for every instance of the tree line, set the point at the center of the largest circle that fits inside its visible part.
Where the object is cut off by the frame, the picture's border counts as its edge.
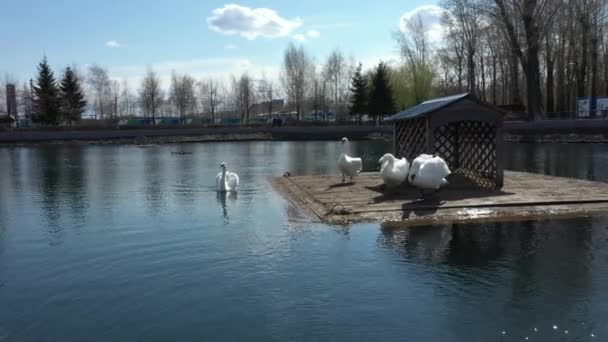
(308, 88)
(541, 55)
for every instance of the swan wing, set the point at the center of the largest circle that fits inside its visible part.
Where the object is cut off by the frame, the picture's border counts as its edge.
(233, 180)
(350, 166)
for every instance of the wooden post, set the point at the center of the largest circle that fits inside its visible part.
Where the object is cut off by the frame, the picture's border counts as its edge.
(430, 137)
(395, 142)
(499, 156)
(457, 146)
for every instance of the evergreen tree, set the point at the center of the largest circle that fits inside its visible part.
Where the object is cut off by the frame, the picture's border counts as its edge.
(46, 99)
(358, 88)
(72, 99)
(381, 100)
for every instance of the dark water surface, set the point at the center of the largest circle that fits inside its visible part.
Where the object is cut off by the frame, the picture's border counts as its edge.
(127, 243)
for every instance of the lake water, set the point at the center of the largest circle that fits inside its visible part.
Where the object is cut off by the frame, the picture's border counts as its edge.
(127, 243)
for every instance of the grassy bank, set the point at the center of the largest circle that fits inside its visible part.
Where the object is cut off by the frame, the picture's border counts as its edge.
(187, 134)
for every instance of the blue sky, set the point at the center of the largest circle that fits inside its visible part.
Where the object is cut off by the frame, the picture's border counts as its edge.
(203, 38)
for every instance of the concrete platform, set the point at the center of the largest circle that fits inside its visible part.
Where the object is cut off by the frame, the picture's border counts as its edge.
(524, 196)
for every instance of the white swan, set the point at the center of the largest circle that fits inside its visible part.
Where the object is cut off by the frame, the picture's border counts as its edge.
(393, 171)
(226, 180)
(347, 165)
(428, 172)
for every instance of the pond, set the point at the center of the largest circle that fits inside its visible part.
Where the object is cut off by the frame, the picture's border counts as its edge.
(125, 243)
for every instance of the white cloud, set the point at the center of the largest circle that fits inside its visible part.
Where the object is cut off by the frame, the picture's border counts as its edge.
(431, 19)
(230, 47)
(313, 34)
(299, 37)
(113, 44)
(304, 37)
(251, 23)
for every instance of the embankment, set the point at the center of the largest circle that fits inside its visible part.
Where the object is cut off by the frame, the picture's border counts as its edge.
(562, 131)
(174, 135)
(557, 131)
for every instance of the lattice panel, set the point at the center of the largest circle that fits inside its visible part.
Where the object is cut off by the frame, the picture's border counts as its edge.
(446, 144)
(477, 153)
(410, 137)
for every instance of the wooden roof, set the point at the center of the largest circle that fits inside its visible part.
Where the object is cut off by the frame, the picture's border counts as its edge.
(467, 104)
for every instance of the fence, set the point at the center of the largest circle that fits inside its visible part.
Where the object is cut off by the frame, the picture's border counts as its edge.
(571, 115)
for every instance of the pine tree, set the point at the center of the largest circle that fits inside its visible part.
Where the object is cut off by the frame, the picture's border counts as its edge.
(46, 99)
(381, 100)
(358, 88)
(72, 99)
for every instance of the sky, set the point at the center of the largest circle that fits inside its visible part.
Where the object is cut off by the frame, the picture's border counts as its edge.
(203, 38)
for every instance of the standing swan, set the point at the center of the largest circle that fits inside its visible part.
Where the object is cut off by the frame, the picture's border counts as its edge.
(226, 180)
(393, 171)
(347, 165)
(428, 172)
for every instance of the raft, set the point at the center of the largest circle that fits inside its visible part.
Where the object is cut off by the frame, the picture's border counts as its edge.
(524, 196)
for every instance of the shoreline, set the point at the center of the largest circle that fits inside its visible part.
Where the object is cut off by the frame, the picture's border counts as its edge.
(549, 131)
(189, 135)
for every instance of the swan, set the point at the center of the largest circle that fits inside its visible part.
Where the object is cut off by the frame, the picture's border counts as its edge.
(428, 172)
(226, 180)
(393, 171)
(347, 165)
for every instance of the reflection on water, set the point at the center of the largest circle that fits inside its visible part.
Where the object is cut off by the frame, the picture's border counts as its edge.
(221, 200)
(134, 243)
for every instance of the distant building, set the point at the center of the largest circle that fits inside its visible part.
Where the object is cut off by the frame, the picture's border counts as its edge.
(263, 107)
(11, 100)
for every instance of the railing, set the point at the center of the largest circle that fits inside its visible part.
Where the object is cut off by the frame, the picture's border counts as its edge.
(592, 115)
(93, 125)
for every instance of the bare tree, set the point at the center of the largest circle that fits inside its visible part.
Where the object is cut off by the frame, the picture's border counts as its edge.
(533, 17)
(247, 95)
(182, 95)
(295, 76)
(320, 94)
(242, 96)
(415, 50)
(338, 71)
(115, 88)
(127, 101)
(210, 96)
(465, 16)
(150, 95)
(266, 91)
(100, 85)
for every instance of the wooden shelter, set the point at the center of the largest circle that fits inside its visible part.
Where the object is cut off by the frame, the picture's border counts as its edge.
(463, 131)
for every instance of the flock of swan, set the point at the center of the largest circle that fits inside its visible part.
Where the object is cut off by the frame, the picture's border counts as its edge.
(426, 172)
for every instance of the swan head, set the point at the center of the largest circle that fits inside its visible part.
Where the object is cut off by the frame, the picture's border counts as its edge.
(344, 141)
(223, 166)
(386, 158)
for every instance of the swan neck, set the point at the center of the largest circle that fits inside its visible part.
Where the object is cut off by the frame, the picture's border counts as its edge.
(345, 148)
(223, 179)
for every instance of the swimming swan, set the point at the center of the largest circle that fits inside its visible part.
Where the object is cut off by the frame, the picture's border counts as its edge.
(347, 165)
(393, 171)
(428, 172)
(226, 180)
